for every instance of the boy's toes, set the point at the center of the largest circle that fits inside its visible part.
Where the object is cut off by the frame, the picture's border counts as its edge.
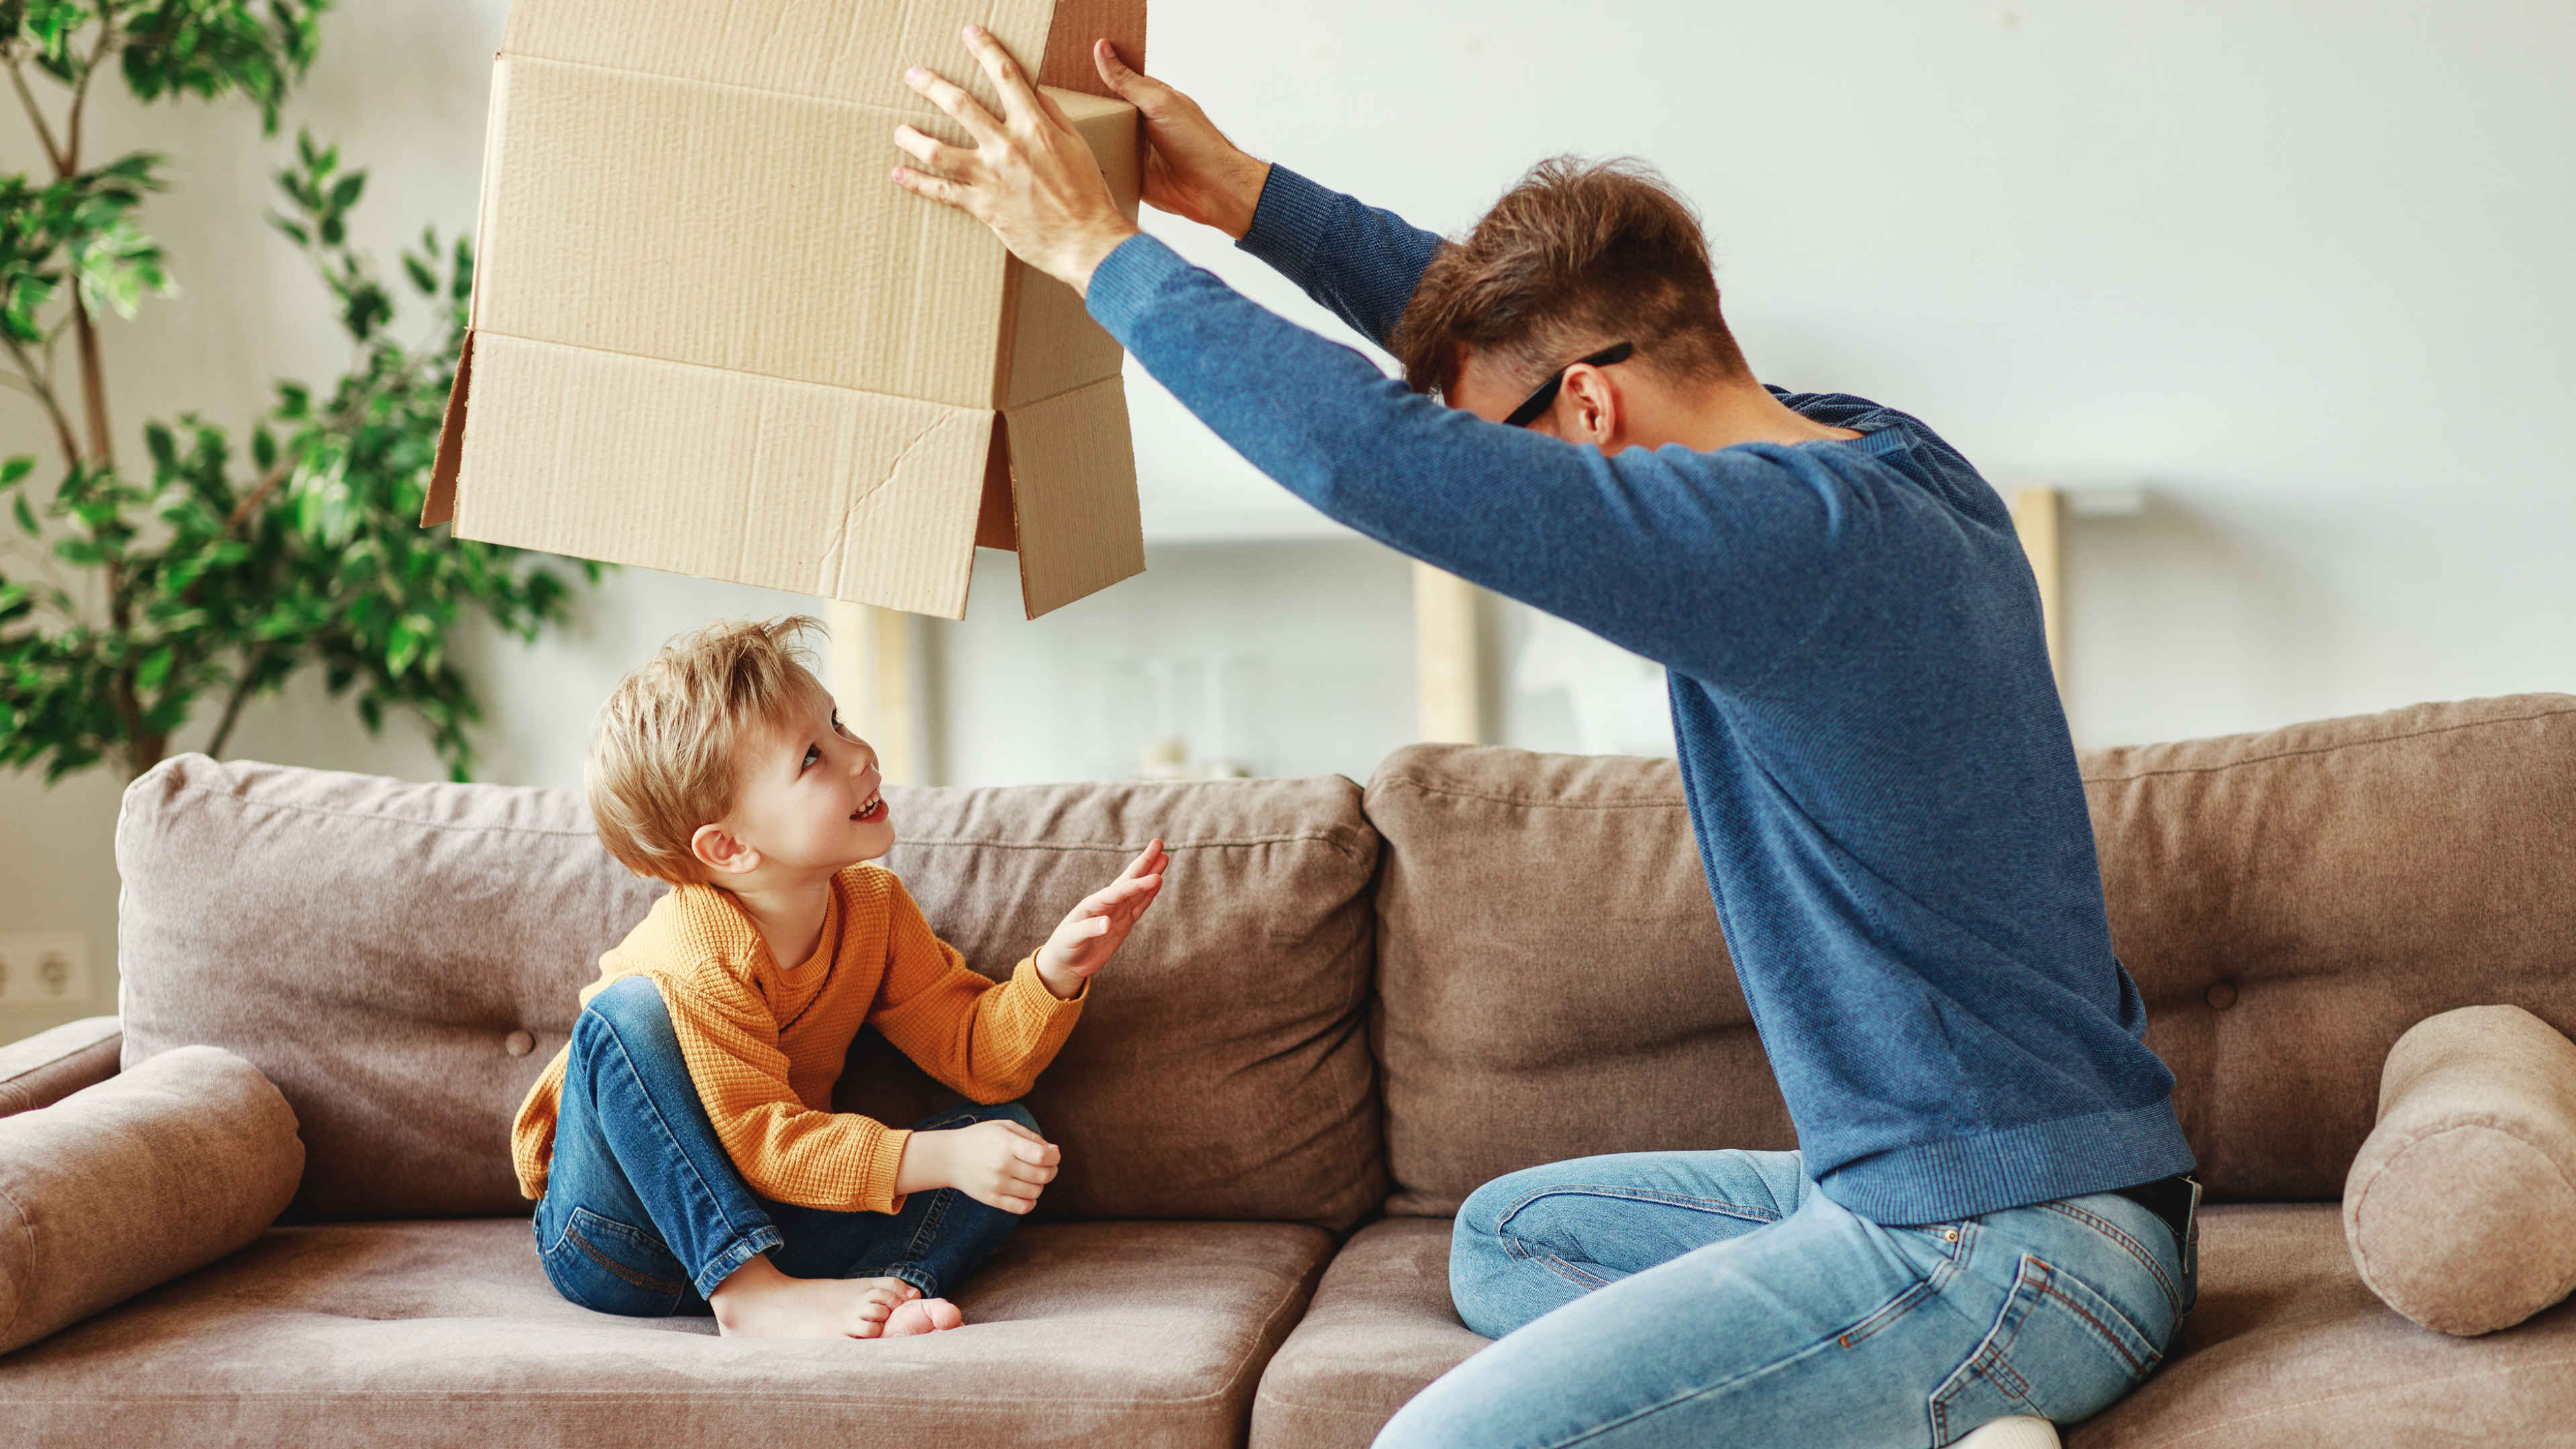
(943, 1314)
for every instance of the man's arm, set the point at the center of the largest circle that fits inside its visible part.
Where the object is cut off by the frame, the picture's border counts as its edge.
(1712, 564)
(1360, 261)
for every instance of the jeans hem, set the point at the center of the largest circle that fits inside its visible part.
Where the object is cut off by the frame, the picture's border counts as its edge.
(743, 1249)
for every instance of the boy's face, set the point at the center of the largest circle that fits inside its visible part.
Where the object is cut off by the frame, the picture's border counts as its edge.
(810, 796)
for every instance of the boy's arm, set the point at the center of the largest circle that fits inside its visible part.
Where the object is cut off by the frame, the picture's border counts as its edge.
(784, 1149)
(986, 1039)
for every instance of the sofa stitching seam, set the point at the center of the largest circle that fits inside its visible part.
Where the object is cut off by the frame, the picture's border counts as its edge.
(1553, 802)
(2113, 779)
(297, 807)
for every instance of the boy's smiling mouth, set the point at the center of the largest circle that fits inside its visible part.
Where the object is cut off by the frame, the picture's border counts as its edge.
(873, 809)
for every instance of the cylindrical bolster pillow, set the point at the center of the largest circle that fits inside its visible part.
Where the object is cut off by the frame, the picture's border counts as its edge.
(130, 1183)
(2461, 1208)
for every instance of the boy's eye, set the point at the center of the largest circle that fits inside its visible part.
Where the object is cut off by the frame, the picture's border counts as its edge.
(839, 728)
(812, 753)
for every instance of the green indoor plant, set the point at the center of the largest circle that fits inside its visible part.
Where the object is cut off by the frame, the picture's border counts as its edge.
(129, 600)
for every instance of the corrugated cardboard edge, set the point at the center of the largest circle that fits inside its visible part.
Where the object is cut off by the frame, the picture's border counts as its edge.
(1073, 473)
(644, 461)
(1077, 23)
(440, 505)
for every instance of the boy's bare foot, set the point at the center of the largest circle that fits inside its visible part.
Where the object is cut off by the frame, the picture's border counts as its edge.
(922, 1315)
(758, 1301)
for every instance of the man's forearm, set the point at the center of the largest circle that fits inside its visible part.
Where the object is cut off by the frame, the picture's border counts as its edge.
(1360, 261)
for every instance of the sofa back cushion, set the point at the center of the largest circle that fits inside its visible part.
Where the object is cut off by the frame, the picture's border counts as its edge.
(1551, 979)
(1221, 1068)
(2291, 902)
(402, 961)
(1553, 984)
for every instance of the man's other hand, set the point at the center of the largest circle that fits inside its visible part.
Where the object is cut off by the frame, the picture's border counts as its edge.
(1191, 169)
(1029, 176)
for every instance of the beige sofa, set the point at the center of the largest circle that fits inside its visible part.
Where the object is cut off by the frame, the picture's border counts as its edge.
(1349, 1010)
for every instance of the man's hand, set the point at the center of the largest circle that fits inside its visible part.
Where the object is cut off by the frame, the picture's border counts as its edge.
(1093, 931)
(998, 1163)
(1029, 176)
(1191, 169)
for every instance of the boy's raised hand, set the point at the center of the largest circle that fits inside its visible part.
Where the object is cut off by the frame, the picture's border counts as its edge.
(1093, 931)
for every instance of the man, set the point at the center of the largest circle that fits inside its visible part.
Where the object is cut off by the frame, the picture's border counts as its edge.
(1987, 1220)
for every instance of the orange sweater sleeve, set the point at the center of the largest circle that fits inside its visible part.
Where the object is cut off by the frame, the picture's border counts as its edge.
(986, 1039)
(786, 1150)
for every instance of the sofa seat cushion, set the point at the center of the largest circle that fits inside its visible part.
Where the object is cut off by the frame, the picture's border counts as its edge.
(2289, 1350)
(1380, 1328)
(436, 1333)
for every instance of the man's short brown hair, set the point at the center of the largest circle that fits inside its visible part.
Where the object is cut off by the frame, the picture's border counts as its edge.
(667, 754)
(1577, 256)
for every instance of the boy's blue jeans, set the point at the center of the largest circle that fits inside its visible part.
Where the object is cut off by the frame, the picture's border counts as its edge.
(1703, 1298)
(645, 1214)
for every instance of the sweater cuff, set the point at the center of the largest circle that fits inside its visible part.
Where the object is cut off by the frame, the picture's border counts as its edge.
(1029, 994)
(878, 1177)
(1127, 282)
(1288, 222)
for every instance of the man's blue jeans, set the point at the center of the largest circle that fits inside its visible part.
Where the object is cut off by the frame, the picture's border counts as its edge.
(1708, 1298)
(645, 1214)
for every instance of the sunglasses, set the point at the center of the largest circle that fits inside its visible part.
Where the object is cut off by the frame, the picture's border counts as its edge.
(1537, 402)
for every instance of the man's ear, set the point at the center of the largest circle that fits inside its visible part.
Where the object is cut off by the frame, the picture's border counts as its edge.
(1588, 407)
(721, 851)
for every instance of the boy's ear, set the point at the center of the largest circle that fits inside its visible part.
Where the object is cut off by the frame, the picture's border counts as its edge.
(719, 850)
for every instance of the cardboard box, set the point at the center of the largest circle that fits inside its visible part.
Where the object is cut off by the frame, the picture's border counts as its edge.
(711, 336)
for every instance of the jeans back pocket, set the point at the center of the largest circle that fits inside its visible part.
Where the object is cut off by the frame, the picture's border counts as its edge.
(2059, 1349)
(605, 1265)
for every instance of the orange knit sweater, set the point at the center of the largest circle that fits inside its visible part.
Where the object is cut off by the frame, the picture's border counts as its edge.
(765, 1045)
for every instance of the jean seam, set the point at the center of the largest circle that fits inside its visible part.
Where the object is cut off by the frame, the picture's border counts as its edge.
(1517, 1248)
(2135, 1249)
(1984, 1359)
(1670, 1199)
(591, 1250)
(928, 1232)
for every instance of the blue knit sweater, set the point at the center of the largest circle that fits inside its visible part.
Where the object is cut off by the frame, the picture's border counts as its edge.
(1880, 775)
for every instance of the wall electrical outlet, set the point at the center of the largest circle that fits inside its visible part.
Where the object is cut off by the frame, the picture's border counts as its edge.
(44, 969)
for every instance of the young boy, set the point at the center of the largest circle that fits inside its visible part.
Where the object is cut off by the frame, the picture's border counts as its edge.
(681, 1148)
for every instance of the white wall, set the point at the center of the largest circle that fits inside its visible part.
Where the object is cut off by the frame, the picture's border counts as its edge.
(2298, 268)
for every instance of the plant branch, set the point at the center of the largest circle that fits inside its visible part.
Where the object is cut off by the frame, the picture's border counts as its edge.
(240, 696)
(102, 443)
(258, 494)
(44, 393)
(35, 113)
(80, 91)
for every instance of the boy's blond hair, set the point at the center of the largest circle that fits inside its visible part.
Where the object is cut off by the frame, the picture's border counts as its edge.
(668, 751)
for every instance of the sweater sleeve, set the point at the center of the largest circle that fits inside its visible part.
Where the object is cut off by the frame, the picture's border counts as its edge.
(786, 1150)
(1361, 262)
(986, 1039)
(532, 1135)
(1714, 564)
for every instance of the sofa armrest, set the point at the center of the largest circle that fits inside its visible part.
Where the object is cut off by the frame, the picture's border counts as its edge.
(129, 1183)
(51, 1065)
